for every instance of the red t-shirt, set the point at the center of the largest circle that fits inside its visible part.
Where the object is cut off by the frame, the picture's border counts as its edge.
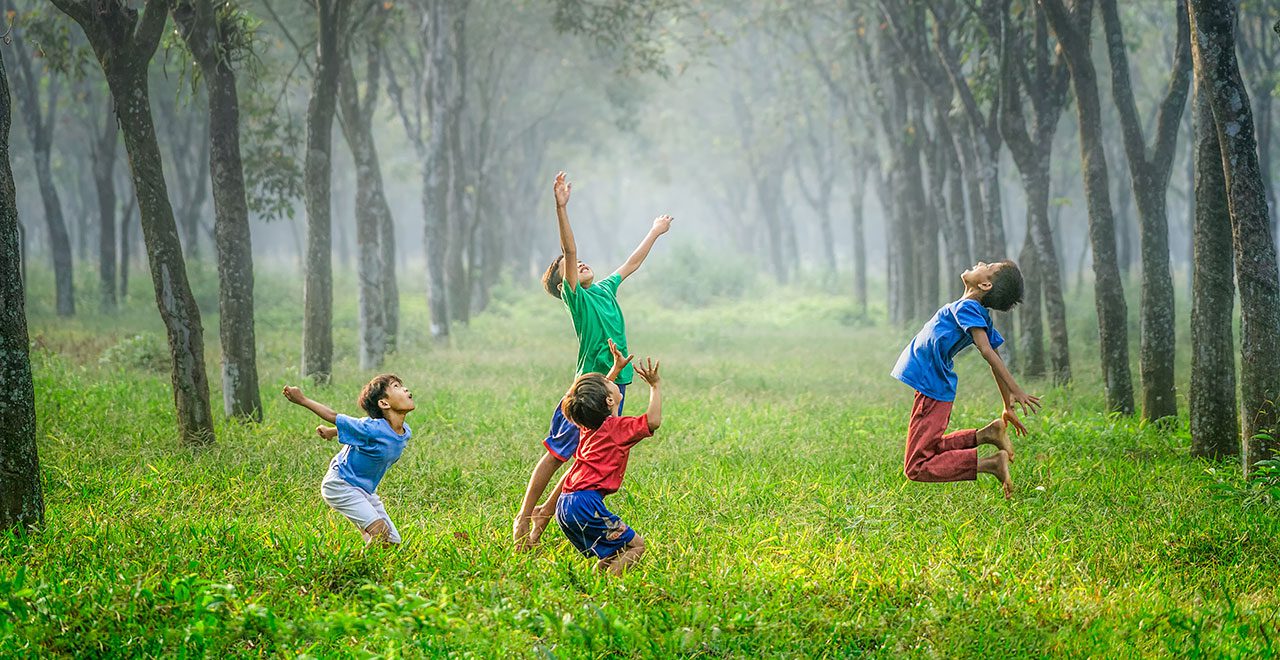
(602, 454)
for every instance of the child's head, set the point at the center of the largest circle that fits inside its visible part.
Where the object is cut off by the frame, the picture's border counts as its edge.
(555, 275)
(384, 394)
(1000, 283)
(591, 400)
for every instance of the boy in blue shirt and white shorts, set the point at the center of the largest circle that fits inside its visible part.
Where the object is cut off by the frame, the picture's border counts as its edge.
(370, 445)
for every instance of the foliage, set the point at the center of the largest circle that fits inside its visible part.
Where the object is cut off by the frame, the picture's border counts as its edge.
(144, 352)
(1261, 488)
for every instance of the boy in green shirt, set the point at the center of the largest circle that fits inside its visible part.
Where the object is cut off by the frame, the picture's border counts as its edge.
(597, 320)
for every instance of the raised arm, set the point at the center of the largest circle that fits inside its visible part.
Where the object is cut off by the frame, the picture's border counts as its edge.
(568, 248)
(661, 225)
(648, 370)
(295, 395)
(620, 361)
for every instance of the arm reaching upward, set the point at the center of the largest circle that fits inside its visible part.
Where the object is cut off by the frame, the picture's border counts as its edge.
(568, 248)
(620, 361)
(661, 225)
(295, 395)
(648, 370)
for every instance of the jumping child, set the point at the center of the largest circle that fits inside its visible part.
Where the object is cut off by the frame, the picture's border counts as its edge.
(926, 365)
(370, 446)
(597, 319)
(599, 465)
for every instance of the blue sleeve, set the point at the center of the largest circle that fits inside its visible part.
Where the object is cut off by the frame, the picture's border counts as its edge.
(971, 314)
(352, 431)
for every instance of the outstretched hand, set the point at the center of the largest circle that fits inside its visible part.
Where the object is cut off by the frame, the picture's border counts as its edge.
(648, 370)
(562, 188)
(662, 224)
(620, 361)
(1030, 404)
(1011, 418)
(293, 394)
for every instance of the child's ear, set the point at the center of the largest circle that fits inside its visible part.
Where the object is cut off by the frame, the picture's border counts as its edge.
(384, 404)
(985, 286)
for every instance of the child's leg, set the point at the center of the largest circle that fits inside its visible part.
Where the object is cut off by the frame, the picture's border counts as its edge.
(996, 434)
(997, 465)
(542, 474)
(392, 535)
(932, 456)
(624, 558)
(353, 503)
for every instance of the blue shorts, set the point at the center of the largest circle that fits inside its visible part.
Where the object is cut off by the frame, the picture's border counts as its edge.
(562, 438)
(590, 527)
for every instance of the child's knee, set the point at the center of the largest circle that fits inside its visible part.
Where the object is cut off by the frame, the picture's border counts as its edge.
(913, 472)
(380, 530)
(637, 545)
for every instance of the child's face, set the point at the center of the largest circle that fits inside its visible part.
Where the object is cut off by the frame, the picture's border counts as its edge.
(585, 275)
(979, 276)
(398, 398)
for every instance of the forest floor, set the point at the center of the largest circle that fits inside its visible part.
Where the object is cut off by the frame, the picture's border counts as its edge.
(778, 520)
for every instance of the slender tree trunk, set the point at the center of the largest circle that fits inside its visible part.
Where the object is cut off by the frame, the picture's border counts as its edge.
(104, 160)
(59, 238)
(390, 287)
(317, 293)
(859, 250)
(1213, 47)
(212, 48)
(21, 499)
(435, 189)
(1108, 288)
(1050, 272)
(1030, 317)
(126, 240)
(1215, 423)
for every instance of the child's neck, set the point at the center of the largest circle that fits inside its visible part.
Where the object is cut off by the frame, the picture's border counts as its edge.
(395, 419)
(972, 293)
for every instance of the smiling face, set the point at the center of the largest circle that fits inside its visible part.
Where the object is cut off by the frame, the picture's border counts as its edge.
(585, 275)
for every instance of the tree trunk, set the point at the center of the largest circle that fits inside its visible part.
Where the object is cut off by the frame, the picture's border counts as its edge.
(859, 239)
(1149, 173)
(1108, 288)
(1030, 317)
(1213, 47)
(436, 33)
(21, 500)
(1215, 422)
(317, 293)
(212, 48)
(126, 240)
(104, 161)
(124, 55)
(370, 211)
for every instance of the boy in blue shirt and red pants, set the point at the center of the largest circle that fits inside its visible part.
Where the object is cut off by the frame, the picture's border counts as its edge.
(926, 365)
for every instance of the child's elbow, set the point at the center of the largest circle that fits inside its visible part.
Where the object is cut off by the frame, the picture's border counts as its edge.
(654, 424)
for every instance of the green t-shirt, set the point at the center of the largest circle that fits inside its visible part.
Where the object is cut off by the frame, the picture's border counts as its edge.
(597, 319)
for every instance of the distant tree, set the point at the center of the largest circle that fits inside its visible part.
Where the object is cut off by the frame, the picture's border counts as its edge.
(124, 41)
(1259, 50)
(1150, 167)
(38, 90)
(1214, 52)
(217, 36)
(21, 500)
(1072, 28)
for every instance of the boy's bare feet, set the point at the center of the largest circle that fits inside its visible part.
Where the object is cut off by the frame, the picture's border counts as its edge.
(997, 434)
(327, 432)
(997, 465)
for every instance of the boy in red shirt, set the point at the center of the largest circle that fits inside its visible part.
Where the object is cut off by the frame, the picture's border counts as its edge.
(599, 464)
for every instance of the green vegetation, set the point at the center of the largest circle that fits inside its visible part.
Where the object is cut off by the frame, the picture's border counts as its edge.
(777, 516)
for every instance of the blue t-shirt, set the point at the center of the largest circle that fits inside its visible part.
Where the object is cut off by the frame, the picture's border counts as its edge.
(926, 363)
(370, 448)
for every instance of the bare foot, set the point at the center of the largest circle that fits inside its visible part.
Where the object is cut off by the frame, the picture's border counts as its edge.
(1001, 472)
(327, 432)
(520, 532)
(997, 434)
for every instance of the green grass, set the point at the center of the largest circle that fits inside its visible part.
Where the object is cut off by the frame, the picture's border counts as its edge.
(778, 520)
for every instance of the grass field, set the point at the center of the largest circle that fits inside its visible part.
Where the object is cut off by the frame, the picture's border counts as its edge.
(772, 499)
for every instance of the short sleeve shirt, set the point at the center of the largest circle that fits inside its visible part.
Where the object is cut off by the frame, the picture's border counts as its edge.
(927, 363)
(597, 318)
(370, 446)
(601, 459)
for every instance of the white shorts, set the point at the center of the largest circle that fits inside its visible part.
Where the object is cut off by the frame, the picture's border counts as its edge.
(358, 506)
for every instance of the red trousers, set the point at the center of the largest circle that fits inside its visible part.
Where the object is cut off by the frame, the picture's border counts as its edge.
(932, 456)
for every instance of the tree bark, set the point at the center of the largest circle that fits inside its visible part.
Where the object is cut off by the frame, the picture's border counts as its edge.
(1071, 29)
(437, 46)
(317, 293)
(212, 46)
(124, 53)
(1213, 49)
(859, 248)
(1150, 169)
(1215, 421)
(21, 499)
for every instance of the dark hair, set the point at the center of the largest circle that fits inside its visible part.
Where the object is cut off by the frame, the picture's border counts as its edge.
(1006, 287)
(376, 391)
(587, 403)
(553, 277)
